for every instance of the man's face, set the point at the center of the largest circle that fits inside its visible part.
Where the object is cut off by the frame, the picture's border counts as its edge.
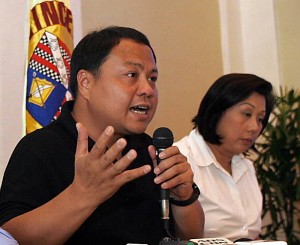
(124, 94)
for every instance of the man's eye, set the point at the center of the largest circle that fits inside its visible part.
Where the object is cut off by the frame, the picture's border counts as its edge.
(152, 79)
(133, 74)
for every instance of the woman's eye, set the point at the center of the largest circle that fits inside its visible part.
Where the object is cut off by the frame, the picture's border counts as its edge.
(261, 119)
(247, 114)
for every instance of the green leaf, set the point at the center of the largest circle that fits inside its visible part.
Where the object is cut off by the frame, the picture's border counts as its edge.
(278, 168)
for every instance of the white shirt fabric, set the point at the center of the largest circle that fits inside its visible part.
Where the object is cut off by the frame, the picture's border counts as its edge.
(232, 204)
(6, 238)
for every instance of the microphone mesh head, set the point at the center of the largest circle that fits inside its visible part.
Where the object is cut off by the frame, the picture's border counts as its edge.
(163, 138)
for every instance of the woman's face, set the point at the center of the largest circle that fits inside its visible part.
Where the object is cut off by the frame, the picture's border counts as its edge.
(241, 124)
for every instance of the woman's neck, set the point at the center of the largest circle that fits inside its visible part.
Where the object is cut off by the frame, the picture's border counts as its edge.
(221, 156)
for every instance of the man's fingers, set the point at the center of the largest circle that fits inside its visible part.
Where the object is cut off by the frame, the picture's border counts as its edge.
(133, 174)
(152, 153)
(101, 145)
(82, 140)
(106, 157)
(121, 165)
(114, 152)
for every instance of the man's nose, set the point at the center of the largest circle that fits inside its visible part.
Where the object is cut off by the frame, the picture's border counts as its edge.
(146, 88)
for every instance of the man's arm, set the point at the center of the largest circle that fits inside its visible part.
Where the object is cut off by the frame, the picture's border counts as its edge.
(189, 220)
(96, 180)
(175, 173)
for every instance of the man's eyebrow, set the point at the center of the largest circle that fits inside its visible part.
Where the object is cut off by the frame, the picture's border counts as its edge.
(135, 64)
(139, 66)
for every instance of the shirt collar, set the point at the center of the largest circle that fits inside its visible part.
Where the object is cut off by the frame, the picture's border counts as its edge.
(200, 149)
(205, 156)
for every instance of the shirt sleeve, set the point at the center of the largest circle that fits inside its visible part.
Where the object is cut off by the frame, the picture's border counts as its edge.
(26, 182)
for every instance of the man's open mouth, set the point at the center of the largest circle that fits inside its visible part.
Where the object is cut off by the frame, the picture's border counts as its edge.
(142, 110)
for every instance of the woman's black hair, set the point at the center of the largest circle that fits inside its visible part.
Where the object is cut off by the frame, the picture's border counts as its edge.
(224, 93)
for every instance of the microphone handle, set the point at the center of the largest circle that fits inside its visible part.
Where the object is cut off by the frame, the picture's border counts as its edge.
(165, 205)
(164, 195)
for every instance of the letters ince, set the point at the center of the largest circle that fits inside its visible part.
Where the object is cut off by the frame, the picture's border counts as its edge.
(48, 14)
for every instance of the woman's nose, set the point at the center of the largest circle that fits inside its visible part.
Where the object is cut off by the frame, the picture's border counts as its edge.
(255, 125)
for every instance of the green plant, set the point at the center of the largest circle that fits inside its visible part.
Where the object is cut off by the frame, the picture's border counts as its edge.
(278, 169)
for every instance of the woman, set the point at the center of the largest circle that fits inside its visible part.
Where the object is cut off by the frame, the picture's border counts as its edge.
(231, 116)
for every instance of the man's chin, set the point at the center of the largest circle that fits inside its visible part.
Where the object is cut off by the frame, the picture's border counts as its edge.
(137, 130)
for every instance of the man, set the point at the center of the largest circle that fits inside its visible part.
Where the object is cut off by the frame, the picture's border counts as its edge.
(100, 185)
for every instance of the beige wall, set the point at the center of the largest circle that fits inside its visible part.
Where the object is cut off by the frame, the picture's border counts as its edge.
(249, 38)
(288, 33)
(186, 38)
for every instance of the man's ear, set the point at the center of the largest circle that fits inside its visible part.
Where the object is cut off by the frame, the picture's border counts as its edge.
(83, 83)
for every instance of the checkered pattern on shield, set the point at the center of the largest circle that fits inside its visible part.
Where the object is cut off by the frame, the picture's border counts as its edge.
(49, 56)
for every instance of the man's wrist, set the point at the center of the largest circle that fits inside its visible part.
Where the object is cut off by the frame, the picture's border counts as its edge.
(192, 199)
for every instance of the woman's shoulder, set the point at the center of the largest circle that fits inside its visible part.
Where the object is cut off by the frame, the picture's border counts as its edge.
(192, 138)
(183, 145)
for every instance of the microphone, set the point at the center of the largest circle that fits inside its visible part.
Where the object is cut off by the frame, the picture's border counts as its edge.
(162, 139)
